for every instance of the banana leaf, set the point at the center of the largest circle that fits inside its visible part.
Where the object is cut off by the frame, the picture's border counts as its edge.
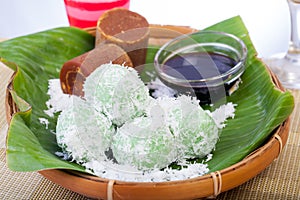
(38, 57)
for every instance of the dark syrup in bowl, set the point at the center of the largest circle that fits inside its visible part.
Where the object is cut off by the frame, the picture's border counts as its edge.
(193, 68)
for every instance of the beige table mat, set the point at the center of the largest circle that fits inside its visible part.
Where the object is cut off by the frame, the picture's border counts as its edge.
(281, 180)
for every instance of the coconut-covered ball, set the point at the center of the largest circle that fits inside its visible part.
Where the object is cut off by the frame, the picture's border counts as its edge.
(145, 143)
(195, 131)
(83, 132)
(117, 91)
(198, 132)
(169, 110)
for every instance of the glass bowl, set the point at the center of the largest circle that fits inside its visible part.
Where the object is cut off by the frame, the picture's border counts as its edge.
(205, 64)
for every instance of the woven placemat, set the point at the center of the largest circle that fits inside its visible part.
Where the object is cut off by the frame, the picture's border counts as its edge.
(281, 180)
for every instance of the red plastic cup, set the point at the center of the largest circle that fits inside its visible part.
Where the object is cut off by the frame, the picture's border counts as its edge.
(85, 13)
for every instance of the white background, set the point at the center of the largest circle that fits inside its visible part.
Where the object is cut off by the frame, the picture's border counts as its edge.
(267, 20)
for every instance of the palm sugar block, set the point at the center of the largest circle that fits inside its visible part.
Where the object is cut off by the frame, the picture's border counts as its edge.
(75, 71)
(127, 29)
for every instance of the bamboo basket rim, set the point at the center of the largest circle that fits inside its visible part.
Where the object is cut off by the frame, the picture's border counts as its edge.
(213, 183)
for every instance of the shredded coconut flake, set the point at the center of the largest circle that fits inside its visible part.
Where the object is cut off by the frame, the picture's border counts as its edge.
(58, 100)
(209, 157)
(44, 121)
(160, 89)
(127, 173)
(221, 114)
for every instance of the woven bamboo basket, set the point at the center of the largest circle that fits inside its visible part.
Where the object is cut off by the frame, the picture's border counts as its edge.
(209, 185)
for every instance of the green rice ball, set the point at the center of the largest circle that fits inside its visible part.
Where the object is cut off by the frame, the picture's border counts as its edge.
(117, 91)
(169, 110)
(144, 143)
(82, 132)
(198, 132)
(195, 131)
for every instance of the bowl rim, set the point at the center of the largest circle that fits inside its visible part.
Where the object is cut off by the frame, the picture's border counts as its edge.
(211, 81)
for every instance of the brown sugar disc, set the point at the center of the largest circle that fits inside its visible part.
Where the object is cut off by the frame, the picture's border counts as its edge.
(126, 29)
(74, 72)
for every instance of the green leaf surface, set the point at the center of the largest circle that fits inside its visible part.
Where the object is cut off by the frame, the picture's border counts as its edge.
(38, 58)
(261, 107)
